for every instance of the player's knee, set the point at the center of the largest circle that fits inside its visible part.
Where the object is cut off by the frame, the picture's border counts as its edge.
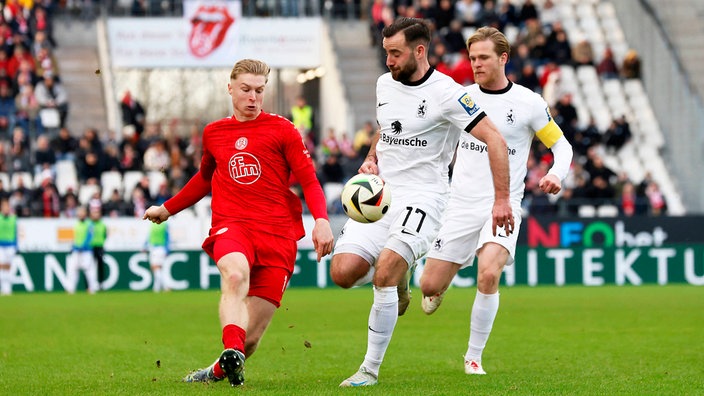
(429, 287)
(342, 278)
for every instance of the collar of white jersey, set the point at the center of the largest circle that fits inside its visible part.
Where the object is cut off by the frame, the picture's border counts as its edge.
(421, 81)
(498, 91)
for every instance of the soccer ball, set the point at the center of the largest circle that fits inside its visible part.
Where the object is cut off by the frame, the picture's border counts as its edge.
(365, 198)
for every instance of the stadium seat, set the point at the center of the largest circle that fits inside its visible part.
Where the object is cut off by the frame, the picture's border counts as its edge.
(86, 192)
(5, 178)
(607, 211)
(129, 180)
(26, 177)
(66, 176)
(605, 9)
(586, 211)
(332, 191)
(156, 178)
(110, 180)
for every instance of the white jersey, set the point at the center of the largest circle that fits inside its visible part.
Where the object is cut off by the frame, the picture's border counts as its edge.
(420, 126)
(519, 114)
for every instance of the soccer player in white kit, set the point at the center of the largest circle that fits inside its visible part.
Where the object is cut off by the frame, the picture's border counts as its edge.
(466, 231)
(421, 113)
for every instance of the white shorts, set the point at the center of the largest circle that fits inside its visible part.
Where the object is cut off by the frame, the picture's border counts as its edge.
(84, 259)
(7, 253)
(157, 255)
(467, 227)
(408, 228)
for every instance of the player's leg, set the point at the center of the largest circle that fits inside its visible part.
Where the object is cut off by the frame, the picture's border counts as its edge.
(491, 259)
(156, 274)
(390, 269)
(72, 272)
(437, 277)
(355, 252)
(234, 317)
(5, 287)
(91, 271)
(260, 313)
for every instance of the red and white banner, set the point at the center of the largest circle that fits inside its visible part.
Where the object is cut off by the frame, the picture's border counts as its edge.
(214, 36)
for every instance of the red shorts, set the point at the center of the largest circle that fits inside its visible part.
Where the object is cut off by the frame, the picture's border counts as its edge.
(271, 258)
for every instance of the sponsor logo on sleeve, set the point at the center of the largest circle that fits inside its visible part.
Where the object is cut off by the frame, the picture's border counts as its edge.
(469, 105)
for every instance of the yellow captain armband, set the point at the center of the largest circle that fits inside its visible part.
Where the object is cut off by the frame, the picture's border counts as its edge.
(549, 134)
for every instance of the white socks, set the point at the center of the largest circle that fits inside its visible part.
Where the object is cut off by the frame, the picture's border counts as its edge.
(382, 320)
(483, 315)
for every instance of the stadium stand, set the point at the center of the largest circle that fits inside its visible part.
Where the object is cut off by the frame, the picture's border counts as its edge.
(629, 140)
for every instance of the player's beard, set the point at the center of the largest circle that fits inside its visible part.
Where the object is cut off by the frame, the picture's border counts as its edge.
(404, 73)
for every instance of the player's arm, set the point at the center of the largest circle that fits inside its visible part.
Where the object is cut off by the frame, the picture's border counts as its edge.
(486, 131)
(369, 166)
(552, 137)
(302, 167)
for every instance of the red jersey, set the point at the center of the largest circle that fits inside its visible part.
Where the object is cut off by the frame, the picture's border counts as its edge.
(248, 165)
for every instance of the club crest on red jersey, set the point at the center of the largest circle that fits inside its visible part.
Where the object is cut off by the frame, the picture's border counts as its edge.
(241, 143)
(244, 168)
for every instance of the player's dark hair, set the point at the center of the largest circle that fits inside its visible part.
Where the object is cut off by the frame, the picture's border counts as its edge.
(415, 30)
(250, 66)
(500, 41)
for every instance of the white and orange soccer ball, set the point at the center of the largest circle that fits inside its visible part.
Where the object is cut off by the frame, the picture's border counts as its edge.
(365, 198)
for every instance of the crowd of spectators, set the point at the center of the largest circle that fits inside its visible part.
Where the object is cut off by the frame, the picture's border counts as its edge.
(540, 47)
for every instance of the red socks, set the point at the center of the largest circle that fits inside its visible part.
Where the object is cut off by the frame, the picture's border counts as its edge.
(233, 337)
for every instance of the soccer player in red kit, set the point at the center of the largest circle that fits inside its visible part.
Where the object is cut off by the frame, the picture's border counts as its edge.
(256, 219)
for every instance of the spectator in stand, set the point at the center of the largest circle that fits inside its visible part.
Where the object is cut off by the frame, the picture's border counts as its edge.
(607, 68)
(8, 109)
(363, 140)
(631, 203)
(44, 155)
(19, 54)
(27, 106)
(444, 15)
(453, 40)
(70, 205)
(45, 61)
(330, 145)
(143, 186)
(331, 171)
(47, 202)
(585, 138)
(20, 160)
(558, 48)
(51, 94)
(583, 54)
(488, 15)
(631, 65)
(138, 203)
(115, 206)
(20, 198)
(467, 11)
(64, 145)
(519, 58)
(130, 161)
(618, 134)
(91, 137)
(462, 69)
(528, 12)
(41, 41)
(566, 116)
(529, 79)
(658, 205)
(4, 193)
(41, 21)
(508, 16)
(25, 75)
(156, 158)
(163, 194)
(133, 113)
(111, 158)
(549, 14)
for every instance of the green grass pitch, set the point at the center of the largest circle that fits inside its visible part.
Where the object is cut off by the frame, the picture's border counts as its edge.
(646, 340)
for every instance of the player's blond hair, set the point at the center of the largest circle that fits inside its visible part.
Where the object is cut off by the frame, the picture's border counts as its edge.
(250, 66)
(500, 41)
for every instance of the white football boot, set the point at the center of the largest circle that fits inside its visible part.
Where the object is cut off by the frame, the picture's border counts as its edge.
(361, 378)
